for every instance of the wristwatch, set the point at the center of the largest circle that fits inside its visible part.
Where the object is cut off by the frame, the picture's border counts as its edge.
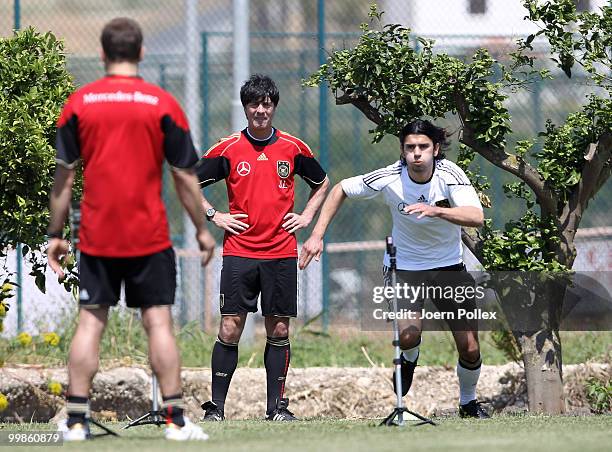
(210, 213)
(55, 235)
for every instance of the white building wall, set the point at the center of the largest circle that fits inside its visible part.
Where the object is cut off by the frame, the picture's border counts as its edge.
(452, 17)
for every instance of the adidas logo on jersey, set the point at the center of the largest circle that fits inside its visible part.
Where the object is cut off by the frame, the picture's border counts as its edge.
(422, 199)
(84, 295)
(262, 157)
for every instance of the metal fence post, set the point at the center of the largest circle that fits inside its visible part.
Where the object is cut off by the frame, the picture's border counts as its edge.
(303, 112)
(204, 92)
(206, 314)
(17, 26)
(536, 107)
(323, 146)
(357, 158)
(19, 289)
(17, 14)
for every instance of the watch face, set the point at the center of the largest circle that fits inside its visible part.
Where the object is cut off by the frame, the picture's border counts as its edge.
(210, 212)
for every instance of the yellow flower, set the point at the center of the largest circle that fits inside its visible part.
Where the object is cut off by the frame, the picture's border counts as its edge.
(2, 309)
(51, 339)
(24, 339)
(55, 387)
(7, 287)
(3, 402)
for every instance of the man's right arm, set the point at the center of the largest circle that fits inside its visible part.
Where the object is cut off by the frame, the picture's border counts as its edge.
(59, 204)
(182, 157)
(67, 157)
(313, 247)
(188, 192)
(212, 168)
(366, 186)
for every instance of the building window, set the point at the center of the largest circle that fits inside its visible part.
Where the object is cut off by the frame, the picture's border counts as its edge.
(583, 5)
(477, 6)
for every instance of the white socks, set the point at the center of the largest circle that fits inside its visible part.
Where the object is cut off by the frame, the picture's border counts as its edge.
(468, 374)
(412, 354)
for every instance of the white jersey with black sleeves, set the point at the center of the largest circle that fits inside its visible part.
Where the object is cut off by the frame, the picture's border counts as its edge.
(425, 243)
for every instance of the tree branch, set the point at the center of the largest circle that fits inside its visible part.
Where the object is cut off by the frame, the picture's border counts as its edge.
(508, 162)
(362, 103)
(471, 238)
(594, 175)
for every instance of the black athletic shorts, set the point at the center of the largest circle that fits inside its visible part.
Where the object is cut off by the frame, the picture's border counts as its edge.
(149, 280)
(451, 289)
(243, 279)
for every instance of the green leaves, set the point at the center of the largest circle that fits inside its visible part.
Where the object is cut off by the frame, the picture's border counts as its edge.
(562, 156)
(523, 245)
(574, 38)
(395, 77)
(599, 394)
(34, 84)
(403, 78)
(399, 74)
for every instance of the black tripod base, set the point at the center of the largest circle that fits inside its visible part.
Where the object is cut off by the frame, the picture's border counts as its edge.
(150, 418)
(107, 431)
(396, 418)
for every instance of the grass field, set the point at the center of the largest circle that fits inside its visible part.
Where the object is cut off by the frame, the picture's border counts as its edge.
(501, 433)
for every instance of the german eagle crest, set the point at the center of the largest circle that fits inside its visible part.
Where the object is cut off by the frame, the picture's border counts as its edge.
(282, 168)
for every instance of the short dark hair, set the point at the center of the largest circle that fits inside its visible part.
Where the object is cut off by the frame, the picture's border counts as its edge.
(257, 88)
(423, 127)
(121, 40)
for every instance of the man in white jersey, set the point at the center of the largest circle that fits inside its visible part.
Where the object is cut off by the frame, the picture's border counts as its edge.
(430, 199)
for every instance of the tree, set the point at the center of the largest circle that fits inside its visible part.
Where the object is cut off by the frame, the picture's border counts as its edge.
(392, 82)
(34, 84)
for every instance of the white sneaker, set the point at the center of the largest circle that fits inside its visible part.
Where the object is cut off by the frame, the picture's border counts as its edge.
(190, 432)
(78, 432)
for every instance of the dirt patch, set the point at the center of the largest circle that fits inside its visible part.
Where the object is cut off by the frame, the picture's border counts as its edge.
(125, 392)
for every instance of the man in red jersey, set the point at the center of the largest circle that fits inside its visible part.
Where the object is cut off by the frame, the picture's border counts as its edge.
(259, 249)
(122, 128)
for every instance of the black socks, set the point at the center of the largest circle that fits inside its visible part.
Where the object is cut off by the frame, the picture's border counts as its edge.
(77, 409)
(224, 361)
(174, 408)
(276, 360)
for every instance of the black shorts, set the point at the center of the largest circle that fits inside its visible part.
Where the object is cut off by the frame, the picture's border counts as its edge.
(450, 289)
(243, 279)
(149, 280)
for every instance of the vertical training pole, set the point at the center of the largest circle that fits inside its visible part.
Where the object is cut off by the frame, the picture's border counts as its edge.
(323, 148)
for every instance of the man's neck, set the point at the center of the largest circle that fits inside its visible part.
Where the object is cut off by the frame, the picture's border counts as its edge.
(261, 134)
(124, 68)
(422, 176)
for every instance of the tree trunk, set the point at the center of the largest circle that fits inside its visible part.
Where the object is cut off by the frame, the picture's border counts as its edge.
(543, 371)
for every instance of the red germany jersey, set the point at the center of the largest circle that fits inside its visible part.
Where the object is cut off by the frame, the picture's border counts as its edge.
(122, 128)
(260, 183)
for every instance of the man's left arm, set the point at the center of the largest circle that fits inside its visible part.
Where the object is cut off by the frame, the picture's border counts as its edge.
(307, 167)
(464, 208)
(294, 221)
(469, 216)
